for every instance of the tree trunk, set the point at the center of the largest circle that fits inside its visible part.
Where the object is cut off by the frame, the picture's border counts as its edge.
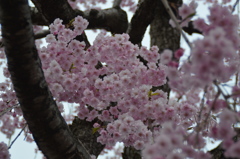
(44, 120)
(161, 32)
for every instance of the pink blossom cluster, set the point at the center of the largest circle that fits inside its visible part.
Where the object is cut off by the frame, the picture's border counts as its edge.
(127, 130)
(107, 81)
(119, 92)
(187, 12)
(224, 131)
(212, 58)
(122, 84)
(170, 142)
(4, 154)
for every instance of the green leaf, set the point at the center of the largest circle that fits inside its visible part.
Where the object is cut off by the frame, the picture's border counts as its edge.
(94, 130)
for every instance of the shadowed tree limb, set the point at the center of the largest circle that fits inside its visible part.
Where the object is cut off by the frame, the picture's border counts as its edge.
(112, 19)
(141, 19)
(116, 3)
(37, 17)
(52, 9)
(44, 120)
(41, 34)
(190, 29)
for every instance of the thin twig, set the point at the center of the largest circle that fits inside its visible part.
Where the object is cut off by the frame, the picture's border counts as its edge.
(214, 102)
(17, 136)
(234, 6)
(202, 104)
(8, 109)
(173, 17)
(235, 99)
(200, 114)
(223, 94)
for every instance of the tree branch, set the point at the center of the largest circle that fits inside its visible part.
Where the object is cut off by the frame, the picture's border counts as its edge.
(37, 17)
(52, 9)
(48, 127)
(190, 29)
(117, 3)
(173, 17)
(41, 34)
(112, 19)
(141, 19)
(162, 33)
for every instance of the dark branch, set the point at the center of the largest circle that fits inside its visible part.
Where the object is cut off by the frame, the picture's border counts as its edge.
(112, 19)
(38, 18)
(41, 34)
(141, 19)
(116, 3)
(190, 29)
(52, 9)
(162, 33)
(48, 127)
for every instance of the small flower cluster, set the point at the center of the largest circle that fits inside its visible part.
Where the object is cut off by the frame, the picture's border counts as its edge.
(170, 143)
(186, 12)
(127, 130)
(4, 154)
(224, 131)
(107, 79)
(212, 58)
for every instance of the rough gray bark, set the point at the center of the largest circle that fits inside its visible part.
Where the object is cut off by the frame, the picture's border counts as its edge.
(44, 120)
(161, 32)
(163, 35)
(83, 131)
(39, 35)
(131, 153)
